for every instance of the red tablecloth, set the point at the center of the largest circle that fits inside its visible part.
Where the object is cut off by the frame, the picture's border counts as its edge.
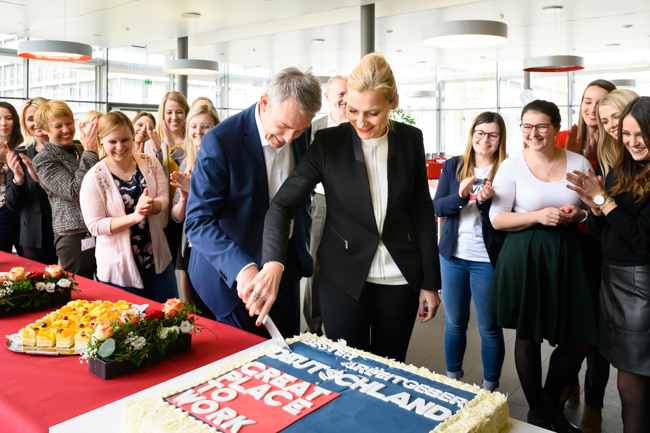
(41, 391)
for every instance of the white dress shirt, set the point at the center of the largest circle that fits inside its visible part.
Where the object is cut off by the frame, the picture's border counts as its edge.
(383, 269)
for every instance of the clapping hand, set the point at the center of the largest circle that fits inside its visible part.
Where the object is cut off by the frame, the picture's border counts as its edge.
(591, 147)
(587, 185)
(4, 149)
(466, 186)
(486, 193)
(573, 140)
(13, 161)
(144, 206)
(182, 182)
(89, 138)
(153, 136)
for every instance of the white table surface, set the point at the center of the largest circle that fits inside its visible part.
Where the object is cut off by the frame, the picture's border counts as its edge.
(106, 419)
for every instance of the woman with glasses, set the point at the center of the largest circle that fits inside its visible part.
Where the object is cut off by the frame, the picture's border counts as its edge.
(540, 286)
(200, 120)
(469, 246)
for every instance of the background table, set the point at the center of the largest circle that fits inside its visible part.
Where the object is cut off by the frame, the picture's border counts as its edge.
(41, 391)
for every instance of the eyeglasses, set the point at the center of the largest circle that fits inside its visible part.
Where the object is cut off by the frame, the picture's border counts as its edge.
(204, 127)
(541, 128)
(492, 136)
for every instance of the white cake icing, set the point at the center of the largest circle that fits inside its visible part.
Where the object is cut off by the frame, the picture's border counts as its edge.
(486, 413)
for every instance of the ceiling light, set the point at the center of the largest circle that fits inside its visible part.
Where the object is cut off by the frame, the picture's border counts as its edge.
(191, 15)
(388, 31)
(624, 83)
(190, 67)
(613, 45)
(627, 26)
(465, 34)
(552, 9)
(58, 51)
(554, 64)
(317, 41)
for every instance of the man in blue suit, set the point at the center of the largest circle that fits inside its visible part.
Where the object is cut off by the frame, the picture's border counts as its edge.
(241, 165)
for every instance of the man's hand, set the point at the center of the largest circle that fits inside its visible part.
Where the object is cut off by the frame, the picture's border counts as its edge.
(262, 291)
(244, 279)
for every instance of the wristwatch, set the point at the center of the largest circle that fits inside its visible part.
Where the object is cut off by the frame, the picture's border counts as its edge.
(600, 199)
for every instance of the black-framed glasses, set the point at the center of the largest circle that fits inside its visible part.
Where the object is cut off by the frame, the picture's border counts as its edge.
(541, 127)
(492, 136)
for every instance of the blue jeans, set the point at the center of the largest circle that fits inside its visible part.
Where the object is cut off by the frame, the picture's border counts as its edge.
(157, 287)
(462, 280)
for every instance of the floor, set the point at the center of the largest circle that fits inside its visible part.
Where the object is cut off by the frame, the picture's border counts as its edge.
(426, 349)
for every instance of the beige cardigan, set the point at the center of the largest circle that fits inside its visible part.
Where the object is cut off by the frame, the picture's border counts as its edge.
(101, 201)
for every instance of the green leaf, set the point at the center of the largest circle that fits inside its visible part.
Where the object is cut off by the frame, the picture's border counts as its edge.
(107, 348)
(172, 336)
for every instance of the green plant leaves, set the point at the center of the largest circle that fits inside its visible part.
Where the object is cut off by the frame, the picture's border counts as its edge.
(107, 348)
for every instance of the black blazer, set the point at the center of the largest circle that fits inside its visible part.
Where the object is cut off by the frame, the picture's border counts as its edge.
(350, 237)
(448, 203)
(30, 199)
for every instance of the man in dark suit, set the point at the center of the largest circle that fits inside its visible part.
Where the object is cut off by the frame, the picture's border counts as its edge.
(242, 163)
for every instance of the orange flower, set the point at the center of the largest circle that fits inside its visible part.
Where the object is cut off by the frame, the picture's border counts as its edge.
(16, 274)
(53, 270)
(129, 316)
(172, 307)
(104, 330)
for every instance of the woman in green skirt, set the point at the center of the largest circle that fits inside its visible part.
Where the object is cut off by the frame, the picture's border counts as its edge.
(540, 285)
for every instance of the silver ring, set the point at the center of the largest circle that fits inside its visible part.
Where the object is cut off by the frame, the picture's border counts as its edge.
(256, 296)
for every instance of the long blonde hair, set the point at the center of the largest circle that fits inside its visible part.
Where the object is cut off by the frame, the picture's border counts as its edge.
(180, 100)
(467, 161)
(608, 149)
(110, 122)
(190, 148)
(36, 102)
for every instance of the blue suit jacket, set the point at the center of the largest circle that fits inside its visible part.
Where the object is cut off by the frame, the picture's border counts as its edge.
(228, 200)
(447, 203)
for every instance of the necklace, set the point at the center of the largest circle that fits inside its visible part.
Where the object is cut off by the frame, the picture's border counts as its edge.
(548, 173)
(117, 168)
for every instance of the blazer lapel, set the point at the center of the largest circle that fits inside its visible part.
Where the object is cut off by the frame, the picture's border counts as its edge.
(392, 175)
(365, 196)
(254, 148)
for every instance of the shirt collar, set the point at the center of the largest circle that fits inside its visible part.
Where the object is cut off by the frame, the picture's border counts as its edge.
(260, 128)
(331, 123)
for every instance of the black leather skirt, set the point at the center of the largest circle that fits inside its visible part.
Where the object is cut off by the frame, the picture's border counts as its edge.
(625, 317)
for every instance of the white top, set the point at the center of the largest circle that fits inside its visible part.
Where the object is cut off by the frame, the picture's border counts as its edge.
(330, 124)
(516, 189)
(470, 244)
(383, 269)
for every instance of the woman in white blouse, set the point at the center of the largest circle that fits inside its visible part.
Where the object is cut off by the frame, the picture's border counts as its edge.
(540, 285)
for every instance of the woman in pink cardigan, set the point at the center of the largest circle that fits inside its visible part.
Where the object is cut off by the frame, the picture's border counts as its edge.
(119, 197)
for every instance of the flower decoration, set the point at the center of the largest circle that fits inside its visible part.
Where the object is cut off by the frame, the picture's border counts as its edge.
(136, 334)
(19, 288)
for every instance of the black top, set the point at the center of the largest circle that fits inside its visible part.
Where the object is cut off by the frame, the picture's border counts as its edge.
(131, 191)
(625, 232)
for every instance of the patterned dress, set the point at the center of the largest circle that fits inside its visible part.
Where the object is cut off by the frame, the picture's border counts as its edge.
(131, 191)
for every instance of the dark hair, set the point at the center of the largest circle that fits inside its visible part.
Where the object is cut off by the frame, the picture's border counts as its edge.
(626, 173)
(145, 114)
(582, 126)
(544, 107)
(466, 169)
(16, 137)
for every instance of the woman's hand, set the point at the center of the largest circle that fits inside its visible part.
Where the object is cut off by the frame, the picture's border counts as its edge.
(587, 185)
(14, 165)
(486, 193)
(89, 137)
(572, 214)
(465, 187)
(591, 147)
(429, 303)
(261, 292)
(181, 181)
(144, 206)
(573, 140)
(169, 137)
(4, 150)
(30, 168)
(551, 216)
(155, 139)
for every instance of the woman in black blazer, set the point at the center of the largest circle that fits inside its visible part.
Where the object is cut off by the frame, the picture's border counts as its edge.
(378, 253)
(25, 195)
(469, 246)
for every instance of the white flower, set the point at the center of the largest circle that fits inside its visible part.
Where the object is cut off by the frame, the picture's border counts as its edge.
(64, 282)
(40, 285)
(186, 326)
(138, 343)
(162, 334)
(49, 287)
(173, 328)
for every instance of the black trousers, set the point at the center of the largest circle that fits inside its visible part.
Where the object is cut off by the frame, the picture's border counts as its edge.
(380, 322)
(68, 248)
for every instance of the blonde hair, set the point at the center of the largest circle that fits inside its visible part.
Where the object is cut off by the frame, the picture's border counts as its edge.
(110, 122)
(190, 148)
(374, 73)
(51, 110)
(202, 98)
(467, 161)
(36, 102)
(89, 117)
(180, 100)
(608, 149)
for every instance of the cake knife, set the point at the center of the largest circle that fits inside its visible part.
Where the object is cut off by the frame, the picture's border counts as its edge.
(274, 332)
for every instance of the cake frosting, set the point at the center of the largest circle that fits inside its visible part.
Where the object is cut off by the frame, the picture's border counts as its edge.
(319, 385)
